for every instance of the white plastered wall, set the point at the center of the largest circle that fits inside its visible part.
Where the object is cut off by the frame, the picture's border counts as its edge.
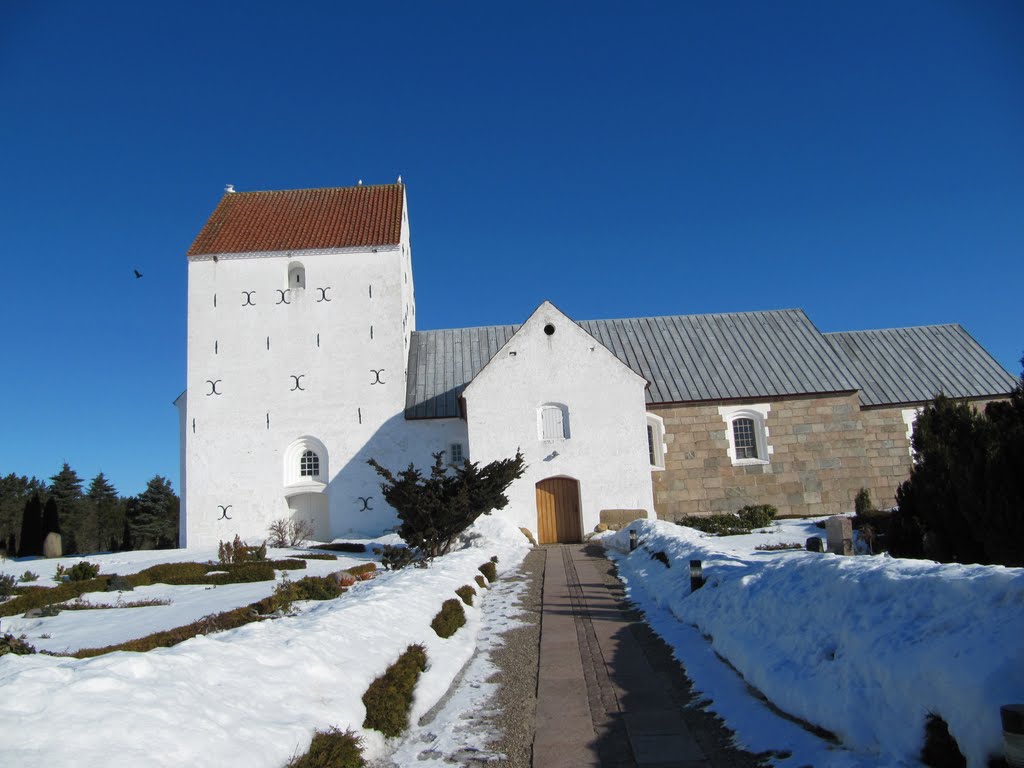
(350, 396)
(607, 448)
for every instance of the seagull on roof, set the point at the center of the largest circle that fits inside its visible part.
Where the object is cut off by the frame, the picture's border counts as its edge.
(137, 274)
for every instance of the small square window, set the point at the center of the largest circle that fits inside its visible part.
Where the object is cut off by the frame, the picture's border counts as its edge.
(457, 455)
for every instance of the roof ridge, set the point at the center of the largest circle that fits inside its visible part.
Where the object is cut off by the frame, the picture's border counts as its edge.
(895, 328)
(314, 189)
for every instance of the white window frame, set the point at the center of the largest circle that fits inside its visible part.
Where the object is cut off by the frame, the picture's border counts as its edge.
(294, 481)
(910, 421)
(564, 411)
(757, 413)
(461, 459)
(656, 441)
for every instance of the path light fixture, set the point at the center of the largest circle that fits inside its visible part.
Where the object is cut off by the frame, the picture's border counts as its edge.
(696, 575)
(1013, 734)
(632, 540)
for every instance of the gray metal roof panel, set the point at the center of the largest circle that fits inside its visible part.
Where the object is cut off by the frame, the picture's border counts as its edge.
(912, 365)
(685, 358)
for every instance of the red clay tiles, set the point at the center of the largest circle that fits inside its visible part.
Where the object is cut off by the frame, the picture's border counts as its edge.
(300, 219)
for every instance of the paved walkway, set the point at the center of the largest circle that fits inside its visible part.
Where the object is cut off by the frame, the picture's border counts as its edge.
(601, 702)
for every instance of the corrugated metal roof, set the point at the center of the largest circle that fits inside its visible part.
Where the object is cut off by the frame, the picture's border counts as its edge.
(684, 357)
(912, 365)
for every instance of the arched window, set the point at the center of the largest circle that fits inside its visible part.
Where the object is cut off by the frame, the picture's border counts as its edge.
(747, 433)
(306, 464)
(553, 422)
(309, 465)
(296, 276)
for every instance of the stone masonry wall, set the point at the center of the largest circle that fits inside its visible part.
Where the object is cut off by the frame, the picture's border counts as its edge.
(825, 449)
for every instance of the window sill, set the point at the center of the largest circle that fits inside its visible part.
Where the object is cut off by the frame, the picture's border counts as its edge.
(749, 462)
(305, 486)
(656, 468)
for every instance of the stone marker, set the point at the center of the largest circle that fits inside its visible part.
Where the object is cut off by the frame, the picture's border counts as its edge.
(52, 546)
(814, 544)
(839, 531)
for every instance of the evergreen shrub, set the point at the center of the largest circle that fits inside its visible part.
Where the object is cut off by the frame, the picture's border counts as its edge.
(940, 749)
(241, 573)
(435, 510)
(16, 645)
(758, 515)
(332, 749)
(343, 546)
(28, 576)
(389, 697)
(317, 556)
(481, 582)
(862, 503)
(7, 584)
(467, 593)
(38, 597)
(363, 571)
(964, 499)
(448, 620)
(83, 571)
(489, 570)
(396, 558)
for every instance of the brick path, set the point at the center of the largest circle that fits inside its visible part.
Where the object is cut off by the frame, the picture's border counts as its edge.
(602, 699)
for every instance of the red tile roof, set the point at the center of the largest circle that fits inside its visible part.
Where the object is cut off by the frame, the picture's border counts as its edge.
(298, 219)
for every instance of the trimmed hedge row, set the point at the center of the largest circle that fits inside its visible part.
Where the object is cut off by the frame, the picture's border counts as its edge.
(38, 597)
(389, 697)
(306, 588)
(467, 593)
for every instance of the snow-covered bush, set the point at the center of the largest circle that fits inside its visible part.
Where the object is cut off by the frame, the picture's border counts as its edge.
(490, 570)
(332, 749)
(7, 584)
(448, 620)
(467, 593)
(389, 697)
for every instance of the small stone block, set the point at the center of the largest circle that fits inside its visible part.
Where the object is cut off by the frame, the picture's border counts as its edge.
(839, 532)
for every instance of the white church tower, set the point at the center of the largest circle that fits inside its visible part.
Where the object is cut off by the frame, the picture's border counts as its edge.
(300, 310)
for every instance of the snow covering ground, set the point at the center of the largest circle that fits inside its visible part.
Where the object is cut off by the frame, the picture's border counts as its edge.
(863, 646)
(250, 696)
(72, 630)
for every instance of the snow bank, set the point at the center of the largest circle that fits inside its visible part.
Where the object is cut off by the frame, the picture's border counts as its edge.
(251, 696)
(863, 646)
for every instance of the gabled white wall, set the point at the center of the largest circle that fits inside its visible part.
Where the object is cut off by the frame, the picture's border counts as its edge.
(607, 448)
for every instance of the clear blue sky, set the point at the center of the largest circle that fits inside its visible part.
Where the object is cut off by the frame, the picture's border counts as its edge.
(861, 160)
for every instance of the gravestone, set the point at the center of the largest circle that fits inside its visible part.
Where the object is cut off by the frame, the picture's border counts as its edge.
(839, 532)
(814, 544)
(52, 545)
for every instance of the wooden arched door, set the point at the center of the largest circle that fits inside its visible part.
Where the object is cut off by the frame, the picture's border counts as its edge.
(558, 511)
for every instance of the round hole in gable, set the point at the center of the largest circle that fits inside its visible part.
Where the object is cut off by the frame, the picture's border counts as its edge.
(549, 329)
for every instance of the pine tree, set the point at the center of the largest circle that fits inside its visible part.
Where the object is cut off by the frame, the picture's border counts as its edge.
(155, 524)
(435, 510)
(66, 490)
(15, 490)
(51, 518)
(30, 543)
(100, 518)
